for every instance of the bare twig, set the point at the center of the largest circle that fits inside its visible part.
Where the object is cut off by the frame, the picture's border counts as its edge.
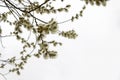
(1, 43)
(10, 10)
(38, 19)
(3, 76)
(30, 29)
(64, 21)
(6, 36)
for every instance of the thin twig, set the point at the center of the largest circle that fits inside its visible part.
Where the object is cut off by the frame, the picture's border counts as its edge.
(38, 19)
(30, 29)
(15, 6)
(3, 60)
(64, 21)
(29, 11)
(29, 1)
(10, 10)
(1, 43)
(3, 76)
(35, 45)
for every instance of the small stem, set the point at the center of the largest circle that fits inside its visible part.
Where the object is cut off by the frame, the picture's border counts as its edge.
(1, 43)
(64, 21)
(3, 76)
(6, 36)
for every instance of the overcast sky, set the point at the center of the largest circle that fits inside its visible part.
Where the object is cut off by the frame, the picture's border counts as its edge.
(94, 55)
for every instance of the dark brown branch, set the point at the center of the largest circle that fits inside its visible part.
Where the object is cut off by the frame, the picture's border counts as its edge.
(38, 18)
(30, 29)
(29, 1)
(30, 11)
(10, 10)
(14, 6)
(3, 76)
(10, 6)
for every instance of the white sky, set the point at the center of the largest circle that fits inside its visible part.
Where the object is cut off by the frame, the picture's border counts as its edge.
(94, 55)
